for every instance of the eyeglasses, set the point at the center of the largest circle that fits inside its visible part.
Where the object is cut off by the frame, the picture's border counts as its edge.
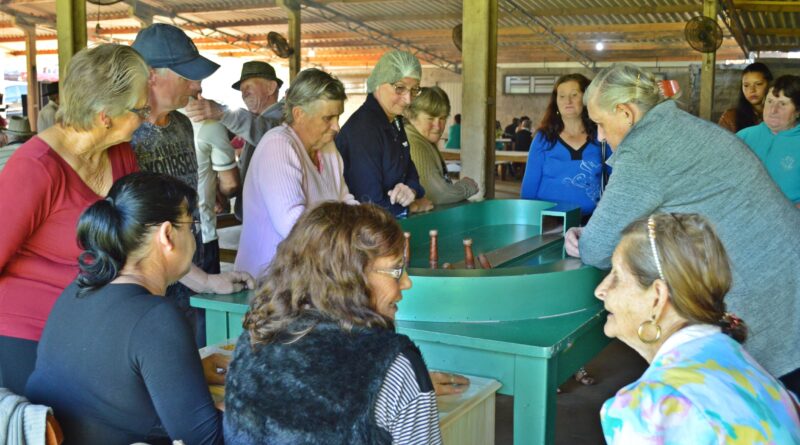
(143, 112)
(401, 90)
(194, 225)
(396, 272)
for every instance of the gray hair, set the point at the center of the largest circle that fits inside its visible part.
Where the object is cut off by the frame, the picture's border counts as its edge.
(624, 83)
(392, 67)
(310, 86)
(109, 77)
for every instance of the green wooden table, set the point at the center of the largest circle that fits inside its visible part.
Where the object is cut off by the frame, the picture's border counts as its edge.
(529, 323)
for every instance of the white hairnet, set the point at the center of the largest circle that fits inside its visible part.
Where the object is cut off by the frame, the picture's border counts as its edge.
(394, 66)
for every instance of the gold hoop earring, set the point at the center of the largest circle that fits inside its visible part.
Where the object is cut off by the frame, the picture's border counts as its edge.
(643, 326)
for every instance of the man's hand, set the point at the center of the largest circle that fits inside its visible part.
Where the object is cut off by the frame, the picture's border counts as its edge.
(215, 367)
(420, 205)
(571, 241)
(445, 383)
(203, 109)
(229, 282)
(402, 194)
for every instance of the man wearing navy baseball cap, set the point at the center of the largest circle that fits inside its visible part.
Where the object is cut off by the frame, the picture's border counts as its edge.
(164, 143)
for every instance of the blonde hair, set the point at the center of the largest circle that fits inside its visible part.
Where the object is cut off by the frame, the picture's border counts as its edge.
(109, 77)
(432, 101)
(624, 83)
(694, 263)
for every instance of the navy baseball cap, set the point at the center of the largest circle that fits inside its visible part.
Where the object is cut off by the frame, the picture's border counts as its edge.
(166, 46)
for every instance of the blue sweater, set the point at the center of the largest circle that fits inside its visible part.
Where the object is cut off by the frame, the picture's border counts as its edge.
(376, 157)
(560, 174)
(780, 154)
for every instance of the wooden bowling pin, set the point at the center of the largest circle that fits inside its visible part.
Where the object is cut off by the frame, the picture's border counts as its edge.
(469, 258)
(434, 254)
(484, 261)
(406, 248)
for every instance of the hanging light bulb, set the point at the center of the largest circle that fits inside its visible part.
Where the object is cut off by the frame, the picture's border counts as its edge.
(599, 46)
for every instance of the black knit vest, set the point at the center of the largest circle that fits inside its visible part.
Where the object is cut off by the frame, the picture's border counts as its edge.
(320, 389)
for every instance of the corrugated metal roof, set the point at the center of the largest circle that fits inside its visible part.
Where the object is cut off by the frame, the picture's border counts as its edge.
(631, 29)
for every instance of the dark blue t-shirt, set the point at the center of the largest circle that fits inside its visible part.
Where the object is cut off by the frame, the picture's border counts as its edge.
(119, 365)
(376, 156)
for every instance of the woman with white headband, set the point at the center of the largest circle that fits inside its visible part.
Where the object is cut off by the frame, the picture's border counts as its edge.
(665, 297)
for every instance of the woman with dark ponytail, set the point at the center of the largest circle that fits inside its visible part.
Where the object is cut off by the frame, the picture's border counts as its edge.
(116, 361)
(665, 297)
(749, 109)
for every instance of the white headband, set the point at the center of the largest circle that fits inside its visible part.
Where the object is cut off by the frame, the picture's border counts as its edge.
(651, 232)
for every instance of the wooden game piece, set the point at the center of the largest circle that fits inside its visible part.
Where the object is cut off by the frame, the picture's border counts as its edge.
(434, 254)
(484, 261)
(469, 259)
(406, 248)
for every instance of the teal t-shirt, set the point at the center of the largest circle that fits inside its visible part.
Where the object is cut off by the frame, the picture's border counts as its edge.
(780, 154)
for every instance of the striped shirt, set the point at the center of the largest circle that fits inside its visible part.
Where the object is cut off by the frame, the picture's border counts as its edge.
(404, 409)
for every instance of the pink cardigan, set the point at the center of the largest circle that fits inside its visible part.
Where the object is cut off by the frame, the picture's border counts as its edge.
(280, 184)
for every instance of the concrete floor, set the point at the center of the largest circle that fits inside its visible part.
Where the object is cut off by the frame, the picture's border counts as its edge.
(578, 407)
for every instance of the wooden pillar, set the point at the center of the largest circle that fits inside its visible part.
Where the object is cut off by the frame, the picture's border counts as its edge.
(30, 64)
(71, 28)
(292, 8)
(479, 55)
(708, 69)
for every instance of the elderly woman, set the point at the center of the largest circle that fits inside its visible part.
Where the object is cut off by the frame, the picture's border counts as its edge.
(666, 160)
(749, 107)
(294, 167)
(665, 298)
(117, 361)
(566, 162)
(776, 141)
(49, 181)
(326, 313)
(427, 115)
(373, 143)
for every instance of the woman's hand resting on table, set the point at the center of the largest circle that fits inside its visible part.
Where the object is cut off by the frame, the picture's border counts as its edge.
(571, 241)
(445, 383)
(215, 368)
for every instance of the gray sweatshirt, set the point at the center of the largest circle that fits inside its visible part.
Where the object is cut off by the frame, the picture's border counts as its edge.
(671, 161)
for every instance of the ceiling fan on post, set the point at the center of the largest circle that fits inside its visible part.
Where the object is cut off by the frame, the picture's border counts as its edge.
(703, 34)
(279, 45)
(103, 2)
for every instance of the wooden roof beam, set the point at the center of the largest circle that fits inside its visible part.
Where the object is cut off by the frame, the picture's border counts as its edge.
(767, 6)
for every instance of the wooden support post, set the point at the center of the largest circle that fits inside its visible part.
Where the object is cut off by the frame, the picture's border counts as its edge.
(708, 68)
(30, 64)
(71, 28)
(480, 90)
(292, 8)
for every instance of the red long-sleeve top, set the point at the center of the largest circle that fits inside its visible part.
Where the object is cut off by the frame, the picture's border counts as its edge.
(41, 199)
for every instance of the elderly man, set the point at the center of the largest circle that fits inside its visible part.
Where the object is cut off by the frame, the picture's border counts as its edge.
(373, 143)
(259, 86)
(164, 143)
(47, 115)
(17, 133)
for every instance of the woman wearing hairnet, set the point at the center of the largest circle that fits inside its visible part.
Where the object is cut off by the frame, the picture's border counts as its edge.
(373, 142)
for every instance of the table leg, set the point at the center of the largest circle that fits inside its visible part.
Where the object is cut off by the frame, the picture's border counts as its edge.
(216, 326)
(534, 401)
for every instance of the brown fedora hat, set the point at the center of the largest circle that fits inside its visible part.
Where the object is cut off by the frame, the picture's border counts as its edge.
(257, 69)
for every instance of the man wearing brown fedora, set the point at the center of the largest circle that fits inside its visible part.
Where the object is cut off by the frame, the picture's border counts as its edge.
(259, 87)
(17, 133)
